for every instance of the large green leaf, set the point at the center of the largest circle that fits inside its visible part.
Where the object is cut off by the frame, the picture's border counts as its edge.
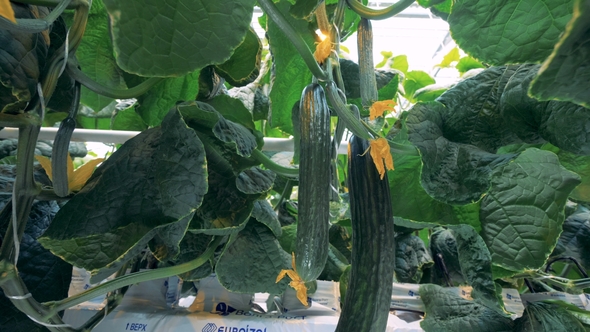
(204, 117)
(456, 173)
(546, 317)
(46, 276)
(243, 66)
(581, 166)
(96, 58)
(165, 245)
(522, 213)
(415, 80)
(191, 247)
(128, 119)
(448, 312)
(255, 180)
(565, 75)
(22, 58)
(264, 214)
(411, 257)
(405, 181)
(500, 32)
(157, 102)
(176, 37)
(563, 124)
(291, 74)
(155, 179)
(573, 241)
(471, 115)
(252, 261)
(225, 209)
(443, 246)
(476, 265)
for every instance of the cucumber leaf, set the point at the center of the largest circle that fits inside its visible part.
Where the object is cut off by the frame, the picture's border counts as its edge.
(155, 179)
(566, 73)
(243, 66)
(453, 172)
(96, 58)
(448, 312)
(204, 117)
(176, 37)
(501, 32)
(546, 317)
(264, 214)
(411, 257)
(155, 104)
(291, 74)
(191, 247)
(572, 242)
(528, 193)
(252, 261)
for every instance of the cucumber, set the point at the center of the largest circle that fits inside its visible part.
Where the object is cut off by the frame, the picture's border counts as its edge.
(368, 298)
(311, 250)
(368, 82)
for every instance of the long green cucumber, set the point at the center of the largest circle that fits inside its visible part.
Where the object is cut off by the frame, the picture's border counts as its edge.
(313, 224)
(368, 298)
(368, 82)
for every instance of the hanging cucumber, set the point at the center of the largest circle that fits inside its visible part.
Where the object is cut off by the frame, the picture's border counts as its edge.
(368, 298)
(311, 251)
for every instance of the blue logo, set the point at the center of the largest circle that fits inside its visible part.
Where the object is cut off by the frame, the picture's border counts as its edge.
(210, 327)
(223, 309)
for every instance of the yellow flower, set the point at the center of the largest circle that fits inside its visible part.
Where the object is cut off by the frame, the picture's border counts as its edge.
(381, 154)
(76, 178)
(6, 11)
(323, 50)
(379, 107)
(296, 282)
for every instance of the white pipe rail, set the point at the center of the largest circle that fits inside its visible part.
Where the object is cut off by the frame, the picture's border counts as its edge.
(121, 136)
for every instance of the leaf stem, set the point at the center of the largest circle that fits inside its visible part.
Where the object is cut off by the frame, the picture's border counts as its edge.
(272, 11)
(106, 91)
(134, 278)
(378, 14)
(281, 170)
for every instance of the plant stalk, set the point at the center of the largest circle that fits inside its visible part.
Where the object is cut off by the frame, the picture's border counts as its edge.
(272, 11)
(379, 14)
(134, 278)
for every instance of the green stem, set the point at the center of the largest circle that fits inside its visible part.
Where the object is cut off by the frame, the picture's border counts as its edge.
(352, 122)
(134, 278)
(106, 91)
(281, 170)
(272, 11)
(15, 289)
(18, 120)
(378, 14)
(339, 15)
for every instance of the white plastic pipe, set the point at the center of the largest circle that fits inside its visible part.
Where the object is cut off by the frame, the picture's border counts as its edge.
(121, 136)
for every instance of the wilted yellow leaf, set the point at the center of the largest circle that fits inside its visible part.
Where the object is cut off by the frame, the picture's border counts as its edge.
(379, 107)
(323, 50)
(6, 11)
(296, 282)
(381, 154)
